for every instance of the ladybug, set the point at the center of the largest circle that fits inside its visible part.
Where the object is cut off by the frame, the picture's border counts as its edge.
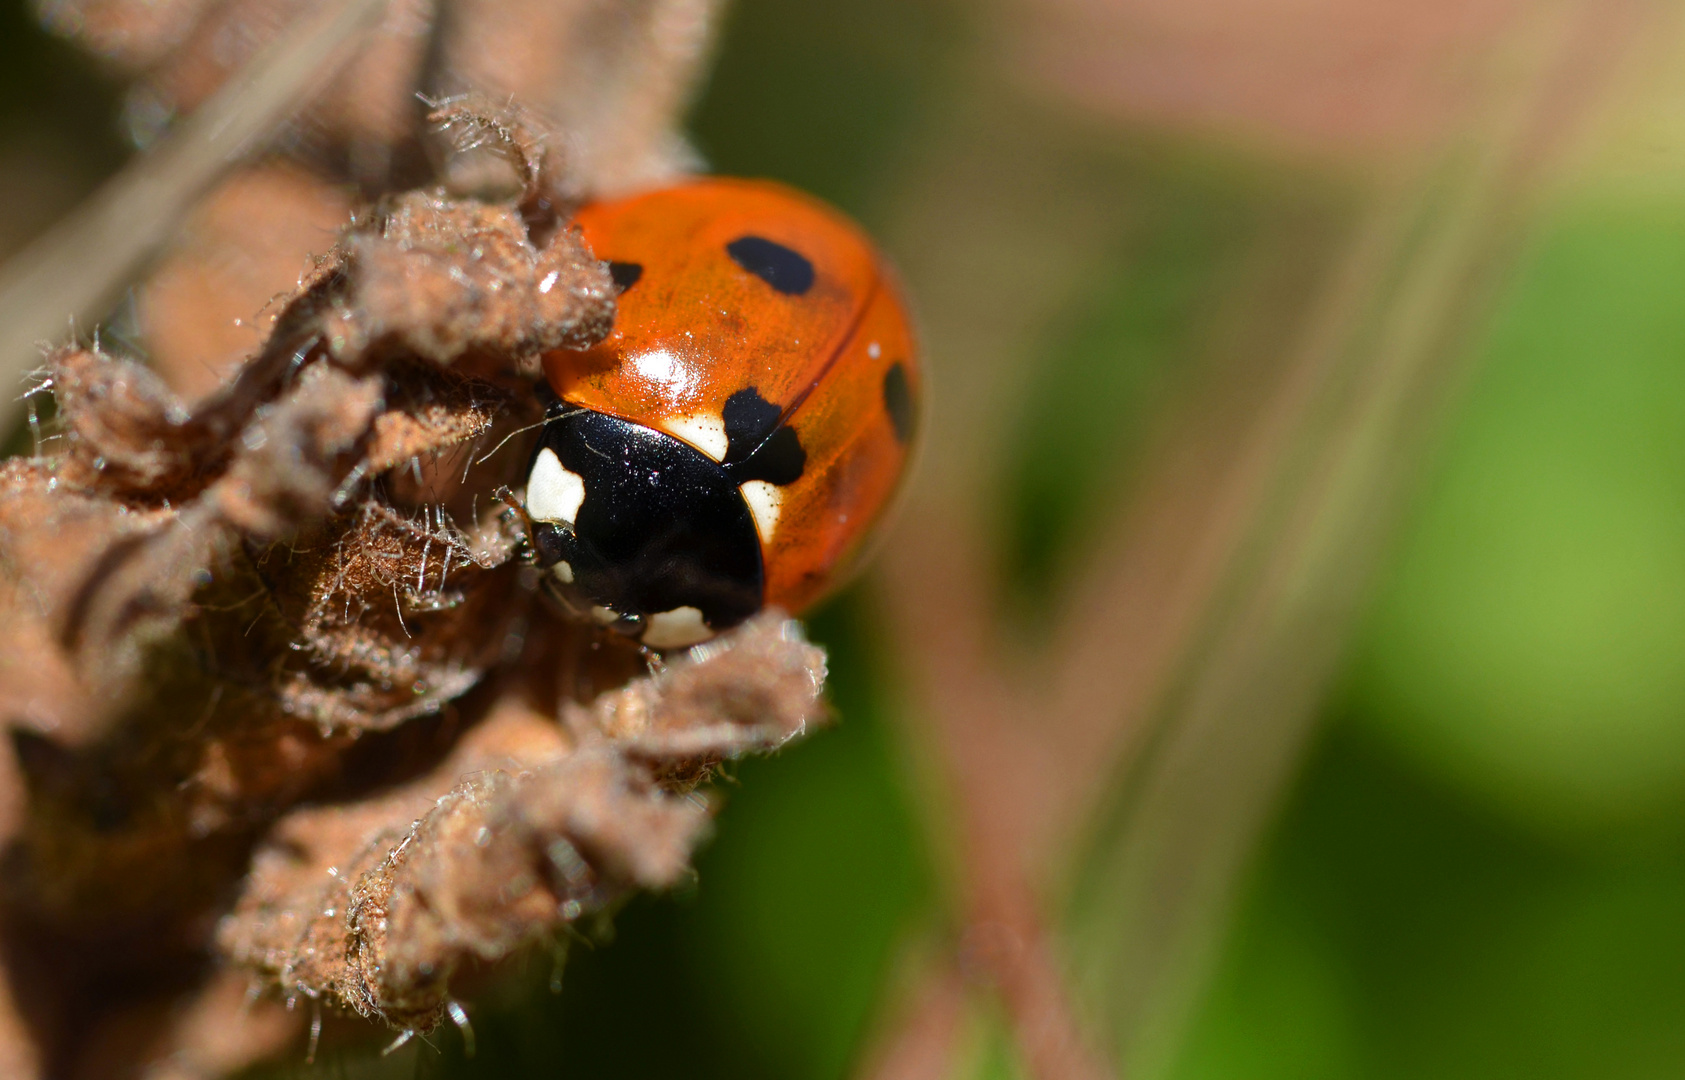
(730, 444)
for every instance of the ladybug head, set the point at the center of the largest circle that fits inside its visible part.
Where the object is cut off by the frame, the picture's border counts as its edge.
(643, 533)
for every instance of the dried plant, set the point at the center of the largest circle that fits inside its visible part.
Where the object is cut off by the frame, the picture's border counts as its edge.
(287, 721)
(218, 614)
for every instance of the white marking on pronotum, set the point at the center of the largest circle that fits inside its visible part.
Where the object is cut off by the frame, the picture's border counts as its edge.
(553, 493)
(765, 501)
(675, 629)
(704, 431)
(563, 571)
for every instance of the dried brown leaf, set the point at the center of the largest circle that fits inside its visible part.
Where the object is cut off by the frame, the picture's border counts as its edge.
(375, 906)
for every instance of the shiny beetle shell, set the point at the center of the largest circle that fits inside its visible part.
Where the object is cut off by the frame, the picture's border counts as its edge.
(733, 441)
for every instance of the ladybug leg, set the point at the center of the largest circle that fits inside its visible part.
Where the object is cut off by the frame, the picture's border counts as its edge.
(652, 658)
(507, 498)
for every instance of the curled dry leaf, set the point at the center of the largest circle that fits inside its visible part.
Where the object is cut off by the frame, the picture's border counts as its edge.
(437, 278)
(524, 827)
(271, 663)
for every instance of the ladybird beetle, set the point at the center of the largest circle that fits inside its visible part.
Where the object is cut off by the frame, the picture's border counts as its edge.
(730, 444)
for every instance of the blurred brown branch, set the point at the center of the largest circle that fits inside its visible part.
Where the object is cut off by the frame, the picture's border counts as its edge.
(74, 273)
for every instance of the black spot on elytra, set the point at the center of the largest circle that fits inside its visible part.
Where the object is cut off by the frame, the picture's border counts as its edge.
(778, 266)
(757, 446)
(898, 401)
(625, 274)
(749, 419)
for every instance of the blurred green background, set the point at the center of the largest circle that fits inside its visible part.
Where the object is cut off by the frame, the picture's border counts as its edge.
(1480, 870)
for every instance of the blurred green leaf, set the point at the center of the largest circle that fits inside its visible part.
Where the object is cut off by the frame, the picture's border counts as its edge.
(1531, 642)
(48, 86)
(1281, 1009)
(1400, 929)
(820, 95)
(1104, 365)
